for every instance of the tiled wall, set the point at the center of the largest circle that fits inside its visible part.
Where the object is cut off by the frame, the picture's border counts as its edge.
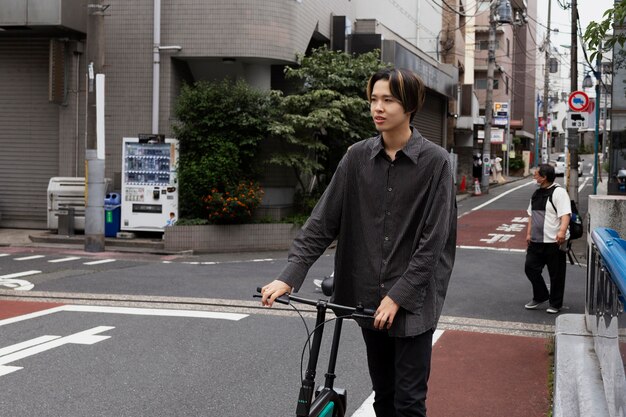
(270, 31)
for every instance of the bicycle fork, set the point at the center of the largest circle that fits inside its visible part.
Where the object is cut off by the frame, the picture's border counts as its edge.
(327, 392)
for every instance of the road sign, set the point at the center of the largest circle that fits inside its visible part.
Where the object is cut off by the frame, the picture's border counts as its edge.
(577, 120)
(578, 101)
(501, 109)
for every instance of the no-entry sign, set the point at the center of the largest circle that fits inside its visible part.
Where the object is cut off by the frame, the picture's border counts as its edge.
(578, 101)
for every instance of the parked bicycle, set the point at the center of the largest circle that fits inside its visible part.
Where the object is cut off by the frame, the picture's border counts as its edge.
(326, 400)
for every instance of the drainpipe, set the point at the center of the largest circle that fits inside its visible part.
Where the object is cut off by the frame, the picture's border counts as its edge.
(156, 66)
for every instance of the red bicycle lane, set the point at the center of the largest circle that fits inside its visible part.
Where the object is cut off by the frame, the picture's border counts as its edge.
(493, 229)
(10, 309)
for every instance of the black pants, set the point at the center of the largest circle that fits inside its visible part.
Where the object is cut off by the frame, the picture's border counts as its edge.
(546, 254)
(399, 368)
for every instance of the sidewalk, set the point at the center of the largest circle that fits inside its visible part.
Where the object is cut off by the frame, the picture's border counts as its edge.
(489, 375)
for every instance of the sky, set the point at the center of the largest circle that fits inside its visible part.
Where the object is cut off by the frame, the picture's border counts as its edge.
(588, 10)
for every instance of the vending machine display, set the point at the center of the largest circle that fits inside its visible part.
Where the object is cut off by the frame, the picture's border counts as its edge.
(149, 183)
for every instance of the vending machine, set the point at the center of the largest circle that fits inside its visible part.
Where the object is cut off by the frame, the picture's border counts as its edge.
(149, 183)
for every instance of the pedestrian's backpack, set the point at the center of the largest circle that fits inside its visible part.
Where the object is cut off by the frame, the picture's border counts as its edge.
(575, 222)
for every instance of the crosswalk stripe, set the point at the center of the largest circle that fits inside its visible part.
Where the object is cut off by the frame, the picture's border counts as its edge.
(70, 258)
(102, 261)
(28, 258)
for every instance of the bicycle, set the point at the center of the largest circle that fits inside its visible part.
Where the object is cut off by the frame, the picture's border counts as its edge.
(329, 401)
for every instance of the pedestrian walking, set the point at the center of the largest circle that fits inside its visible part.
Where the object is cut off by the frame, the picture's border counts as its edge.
(547, 236)
(391, 204)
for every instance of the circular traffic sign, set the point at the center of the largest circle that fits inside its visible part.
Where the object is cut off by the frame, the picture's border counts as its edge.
(578, 101)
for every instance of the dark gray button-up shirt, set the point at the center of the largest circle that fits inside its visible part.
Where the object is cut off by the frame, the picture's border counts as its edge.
(396, 227)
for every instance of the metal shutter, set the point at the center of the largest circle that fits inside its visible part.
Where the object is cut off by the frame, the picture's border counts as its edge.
(430, 121)
(29, 132)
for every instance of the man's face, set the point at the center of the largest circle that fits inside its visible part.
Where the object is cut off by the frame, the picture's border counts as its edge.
(539, 179)
(387, 111)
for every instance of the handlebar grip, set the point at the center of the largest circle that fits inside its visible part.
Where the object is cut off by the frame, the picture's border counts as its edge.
(369, 312)
(283, 299)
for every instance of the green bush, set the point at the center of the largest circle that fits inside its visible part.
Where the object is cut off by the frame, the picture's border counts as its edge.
(219, 126)
(516, 163)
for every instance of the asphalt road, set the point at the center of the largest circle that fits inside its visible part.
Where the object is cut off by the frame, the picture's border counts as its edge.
(204, 366)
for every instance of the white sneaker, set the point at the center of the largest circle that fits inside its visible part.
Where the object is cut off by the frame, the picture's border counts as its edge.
(533, 305)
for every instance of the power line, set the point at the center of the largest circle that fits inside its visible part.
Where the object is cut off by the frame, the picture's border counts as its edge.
(455, 10)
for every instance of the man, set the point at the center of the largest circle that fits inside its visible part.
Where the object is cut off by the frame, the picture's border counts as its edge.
(547, 235)
(391, 204)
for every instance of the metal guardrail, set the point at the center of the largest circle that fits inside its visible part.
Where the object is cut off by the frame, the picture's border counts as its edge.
(606, 274)
(605, 299)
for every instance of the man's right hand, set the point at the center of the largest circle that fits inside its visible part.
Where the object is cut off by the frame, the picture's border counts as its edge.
(272, 291)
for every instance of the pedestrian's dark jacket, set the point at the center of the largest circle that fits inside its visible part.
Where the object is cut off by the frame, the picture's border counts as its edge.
(396, 229)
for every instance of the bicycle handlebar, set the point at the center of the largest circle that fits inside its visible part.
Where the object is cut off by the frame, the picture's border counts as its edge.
(355, 311)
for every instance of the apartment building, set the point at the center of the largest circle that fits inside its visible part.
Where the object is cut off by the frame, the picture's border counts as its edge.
(43, 71)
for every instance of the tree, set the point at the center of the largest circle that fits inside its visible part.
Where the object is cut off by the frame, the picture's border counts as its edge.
(219, 126)
(598, 34)
(329, 113)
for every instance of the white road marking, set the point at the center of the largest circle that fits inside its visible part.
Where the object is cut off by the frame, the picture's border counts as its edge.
(156, 312)
(69, 258)
(19, 274)
(223, 262)
(29, 348)
(4, 254)
(26, 344)
(28, 258)
(367, 408)
(127, 310)
(583, 184)
(501, 195)
(102, 261)
(10, 281)
(490, 248)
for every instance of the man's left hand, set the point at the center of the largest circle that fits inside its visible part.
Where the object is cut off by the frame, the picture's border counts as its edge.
(385, 313)
(560, 237)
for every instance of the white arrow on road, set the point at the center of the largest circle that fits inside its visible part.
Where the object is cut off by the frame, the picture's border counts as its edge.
(43, 343)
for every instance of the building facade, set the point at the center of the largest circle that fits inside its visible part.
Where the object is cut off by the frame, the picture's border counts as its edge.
(43, 71)
(464, 44)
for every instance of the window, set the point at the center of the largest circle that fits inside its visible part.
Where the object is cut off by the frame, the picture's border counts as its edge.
(483, 45)
(506, 85)
(481, 84)
(508, 47)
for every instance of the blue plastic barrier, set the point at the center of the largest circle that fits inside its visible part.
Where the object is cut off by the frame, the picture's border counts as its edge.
(612, 250)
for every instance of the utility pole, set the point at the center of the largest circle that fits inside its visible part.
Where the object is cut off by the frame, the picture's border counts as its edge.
(546, 92)
(572, 134)
(491, 66)
(95, 188)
